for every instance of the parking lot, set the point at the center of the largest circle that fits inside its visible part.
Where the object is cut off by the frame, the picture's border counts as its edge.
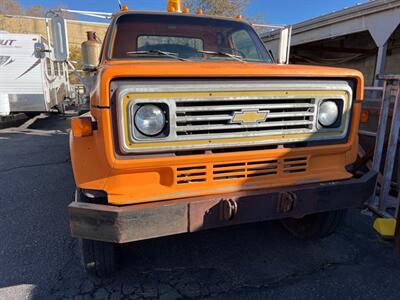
(39, 259)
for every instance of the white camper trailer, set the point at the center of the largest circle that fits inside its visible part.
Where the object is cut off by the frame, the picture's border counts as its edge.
(30, 80)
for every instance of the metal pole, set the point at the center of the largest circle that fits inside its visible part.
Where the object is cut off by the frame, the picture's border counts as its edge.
(380, 63)
(48, 31)
(397, 233)
(85, 12)
(392, 147)
(269, 26)
(381, 131)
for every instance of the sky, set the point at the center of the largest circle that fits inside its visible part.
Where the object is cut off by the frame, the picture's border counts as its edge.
(273, 11)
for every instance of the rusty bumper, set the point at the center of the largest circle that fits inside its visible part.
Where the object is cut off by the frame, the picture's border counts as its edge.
(144, 221)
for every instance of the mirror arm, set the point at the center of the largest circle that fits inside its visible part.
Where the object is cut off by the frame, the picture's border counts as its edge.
(76, 73)
(81, 79)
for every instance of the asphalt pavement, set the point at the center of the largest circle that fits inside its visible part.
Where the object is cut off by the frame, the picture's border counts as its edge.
(39, 259)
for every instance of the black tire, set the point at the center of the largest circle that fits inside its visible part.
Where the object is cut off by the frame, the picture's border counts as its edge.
(315, 226)
(31, 115)
(99, 259)
(60, 108)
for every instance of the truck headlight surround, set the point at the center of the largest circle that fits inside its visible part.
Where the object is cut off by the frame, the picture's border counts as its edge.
(150, 120)
(329, 113)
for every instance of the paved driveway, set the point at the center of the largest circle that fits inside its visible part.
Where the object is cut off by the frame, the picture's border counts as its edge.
(39, 260)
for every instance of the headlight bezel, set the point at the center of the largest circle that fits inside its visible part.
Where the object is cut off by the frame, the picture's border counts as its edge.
(137, 133)
(157, 112)
(338, 122)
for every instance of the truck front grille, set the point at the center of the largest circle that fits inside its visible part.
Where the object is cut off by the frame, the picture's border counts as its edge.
(212, 119)
(221, 115)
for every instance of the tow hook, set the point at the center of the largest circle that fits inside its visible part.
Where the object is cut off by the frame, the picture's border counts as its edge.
(228, 209)
(287, 202)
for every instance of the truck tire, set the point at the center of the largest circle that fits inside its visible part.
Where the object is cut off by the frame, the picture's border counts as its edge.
(31, 115)
(315, 226)
(99, 259)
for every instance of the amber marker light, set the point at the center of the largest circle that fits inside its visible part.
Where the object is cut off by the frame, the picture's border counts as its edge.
(174, 6)
(81, 126)
(364, 116)
(124, 7)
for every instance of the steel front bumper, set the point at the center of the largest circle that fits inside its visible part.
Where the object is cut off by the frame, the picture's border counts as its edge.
(144, 221)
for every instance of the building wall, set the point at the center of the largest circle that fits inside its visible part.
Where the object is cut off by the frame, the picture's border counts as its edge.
(76, 29)
(392, 65)
(365, 66)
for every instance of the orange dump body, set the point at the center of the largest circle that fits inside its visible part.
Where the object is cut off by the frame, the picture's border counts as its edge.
(128, 178)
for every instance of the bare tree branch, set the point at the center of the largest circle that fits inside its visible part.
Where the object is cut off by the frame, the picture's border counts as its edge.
(229, 8)
(35, 11)
(10, 7)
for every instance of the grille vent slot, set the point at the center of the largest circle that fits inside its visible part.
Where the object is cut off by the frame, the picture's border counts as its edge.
(294, 165)
(242, 170)
(245, 170)
(191, 174)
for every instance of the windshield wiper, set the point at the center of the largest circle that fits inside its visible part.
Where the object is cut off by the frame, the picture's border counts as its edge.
(158, 52)
(221, 53)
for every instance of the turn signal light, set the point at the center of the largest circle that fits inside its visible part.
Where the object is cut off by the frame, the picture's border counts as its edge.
(81, 126)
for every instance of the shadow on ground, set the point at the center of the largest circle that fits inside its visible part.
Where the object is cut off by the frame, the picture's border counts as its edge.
(255, 260)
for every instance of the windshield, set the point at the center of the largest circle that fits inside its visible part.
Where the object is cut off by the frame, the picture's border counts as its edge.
(183, 37)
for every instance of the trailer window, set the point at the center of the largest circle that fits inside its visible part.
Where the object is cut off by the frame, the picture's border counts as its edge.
(61, 68)
(56, 73)
(48, 67)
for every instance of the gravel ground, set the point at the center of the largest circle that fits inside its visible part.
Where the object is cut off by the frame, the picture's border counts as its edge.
(39, 259)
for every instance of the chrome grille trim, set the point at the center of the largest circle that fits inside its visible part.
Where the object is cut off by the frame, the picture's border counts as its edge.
(286, 115)
(242, 126)
(238, 107)
(229, 117)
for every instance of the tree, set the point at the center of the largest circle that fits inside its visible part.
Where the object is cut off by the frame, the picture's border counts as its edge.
(10, 7)
(229, 8)
(35, 11)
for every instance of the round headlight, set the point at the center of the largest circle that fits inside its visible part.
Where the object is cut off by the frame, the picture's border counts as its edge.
(328, 113)
(149, 120)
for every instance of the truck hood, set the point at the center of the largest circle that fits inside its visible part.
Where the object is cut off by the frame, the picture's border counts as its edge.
(226, 69)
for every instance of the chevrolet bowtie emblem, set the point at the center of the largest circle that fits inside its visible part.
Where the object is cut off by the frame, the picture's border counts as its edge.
(249, 116)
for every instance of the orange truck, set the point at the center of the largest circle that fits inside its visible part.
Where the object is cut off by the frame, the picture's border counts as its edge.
(193, 126)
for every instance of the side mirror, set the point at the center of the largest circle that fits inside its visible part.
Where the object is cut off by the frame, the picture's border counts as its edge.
(284, 45)
(60, 38)
(39, 50)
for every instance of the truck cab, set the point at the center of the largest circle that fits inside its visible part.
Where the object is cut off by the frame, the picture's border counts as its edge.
(193, 126)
